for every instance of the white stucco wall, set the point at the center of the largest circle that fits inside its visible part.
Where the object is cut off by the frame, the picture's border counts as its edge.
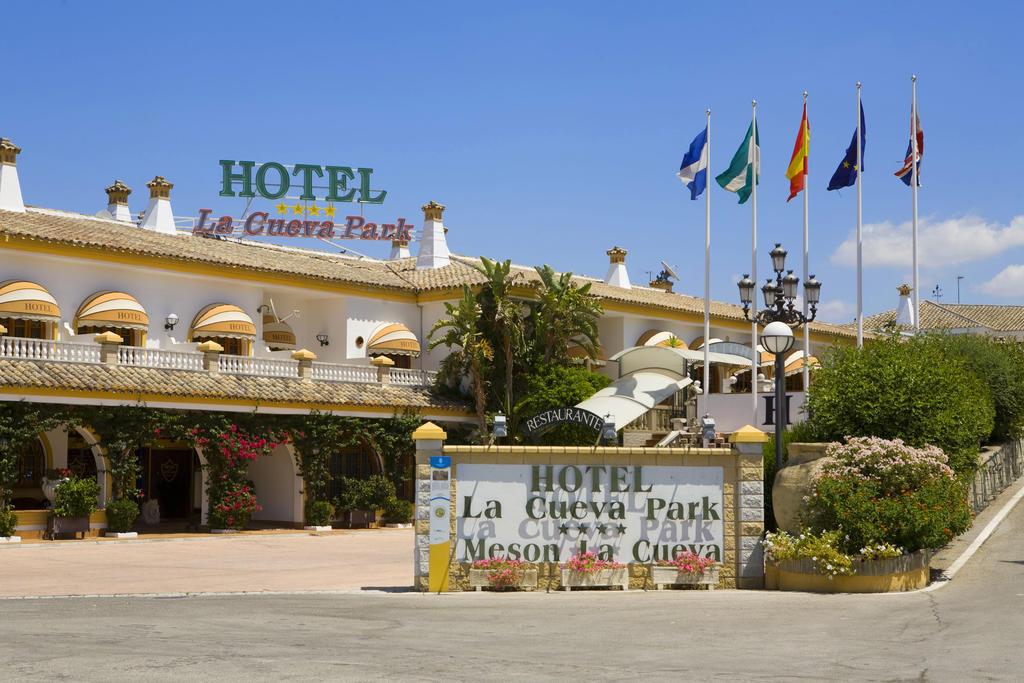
(278, 489)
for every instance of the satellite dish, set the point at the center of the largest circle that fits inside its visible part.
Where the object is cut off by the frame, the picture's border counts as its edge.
(670, 270)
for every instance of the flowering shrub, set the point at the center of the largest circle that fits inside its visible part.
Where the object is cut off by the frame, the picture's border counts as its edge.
(880, 551)
(590, 563)
(689, 563)
(235, 507)
(501, 571)
(822, 549)
(879, 491)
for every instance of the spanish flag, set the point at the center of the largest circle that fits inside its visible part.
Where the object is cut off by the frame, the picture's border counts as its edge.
(797, 171)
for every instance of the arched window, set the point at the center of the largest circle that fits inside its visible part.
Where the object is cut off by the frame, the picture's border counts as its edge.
(81, 460)
(31, 466)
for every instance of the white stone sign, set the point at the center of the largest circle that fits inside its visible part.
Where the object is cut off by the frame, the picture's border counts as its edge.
(548, 513)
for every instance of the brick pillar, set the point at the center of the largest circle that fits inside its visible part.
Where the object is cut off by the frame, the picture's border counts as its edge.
(748, 447)
(429, 440)
(305, 358)
(211, 351)
(109, 343)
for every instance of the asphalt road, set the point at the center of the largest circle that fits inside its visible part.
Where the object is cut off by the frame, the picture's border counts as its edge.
(971, 629)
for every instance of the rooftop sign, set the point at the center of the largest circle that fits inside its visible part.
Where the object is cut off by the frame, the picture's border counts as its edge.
(272, 180)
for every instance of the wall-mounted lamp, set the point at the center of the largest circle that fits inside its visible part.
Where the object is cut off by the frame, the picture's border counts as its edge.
(608, 430)
(170, 321)
(263, 308)
(322, 338)
(500, 428)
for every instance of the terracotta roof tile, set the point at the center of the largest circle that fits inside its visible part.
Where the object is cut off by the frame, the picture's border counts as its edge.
(935, 316)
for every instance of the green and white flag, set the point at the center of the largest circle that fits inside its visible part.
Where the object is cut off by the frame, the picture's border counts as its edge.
(745, 168)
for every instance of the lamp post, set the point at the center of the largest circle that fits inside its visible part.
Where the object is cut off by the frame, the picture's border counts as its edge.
(779, 316)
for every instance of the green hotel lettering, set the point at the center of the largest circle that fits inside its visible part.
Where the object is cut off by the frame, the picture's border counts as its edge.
(274, 175)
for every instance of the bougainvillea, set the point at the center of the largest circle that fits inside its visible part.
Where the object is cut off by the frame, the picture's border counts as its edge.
(501, 571)
(689, 563)
(590, 563)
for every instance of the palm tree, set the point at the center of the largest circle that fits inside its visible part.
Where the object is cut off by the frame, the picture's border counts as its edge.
(504, 314)
(469, 350)
(566, 314)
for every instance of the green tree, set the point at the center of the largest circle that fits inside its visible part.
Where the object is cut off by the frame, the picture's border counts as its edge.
(21, 423)
(1000, 365)
(556, 386)
(566, 314)
(502, 322)
(468, 350)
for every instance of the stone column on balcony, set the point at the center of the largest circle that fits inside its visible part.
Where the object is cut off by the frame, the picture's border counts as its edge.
(305, 358)
(211, 351)
(109, 343)
(383, 365)
(3, 330)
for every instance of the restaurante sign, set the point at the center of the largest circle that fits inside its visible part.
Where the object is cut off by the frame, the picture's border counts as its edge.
(547, 513)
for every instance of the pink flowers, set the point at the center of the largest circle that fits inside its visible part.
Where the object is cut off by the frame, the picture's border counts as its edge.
(689, 563)
(590, 563)
(891, 463)
(501, 571)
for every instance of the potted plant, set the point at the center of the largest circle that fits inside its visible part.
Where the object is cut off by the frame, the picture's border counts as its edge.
(8, 523)
(51, 480)
(121, 516)
(74, 502)
(501, 573)
(319, 514)
(685, 569)
(398, 513)
(587, 570)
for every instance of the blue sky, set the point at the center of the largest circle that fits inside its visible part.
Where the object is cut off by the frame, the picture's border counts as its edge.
(551, 131)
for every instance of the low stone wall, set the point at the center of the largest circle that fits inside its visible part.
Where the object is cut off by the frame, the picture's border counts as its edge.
(32, 523)
(742, 502)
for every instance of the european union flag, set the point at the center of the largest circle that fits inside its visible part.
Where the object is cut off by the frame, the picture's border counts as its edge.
(846, 174)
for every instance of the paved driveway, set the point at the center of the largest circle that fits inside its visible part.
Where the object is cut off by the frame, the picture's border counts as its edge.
(337, 561)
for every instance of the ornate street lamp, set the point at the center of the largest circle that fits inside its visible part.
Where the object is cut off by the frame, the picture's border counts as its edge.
(779, 317)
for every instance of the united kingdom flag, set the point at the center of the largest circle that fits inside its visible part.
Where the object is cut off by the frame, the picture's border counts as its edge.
(906, 171)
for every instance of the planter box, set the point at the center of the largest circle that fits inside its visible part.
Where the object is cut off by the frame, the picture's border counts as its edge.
(670, 576)
(318, 528)
(120, 534)
(603, 578)
(10, 539)
(400, 525)
(904, 573)
(358, 518)
(223, 531)
(478, 580)
(66, 525)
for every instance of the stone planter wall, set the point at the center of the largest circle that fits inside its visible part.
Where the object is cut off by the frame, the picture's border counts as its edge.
(908, 572)
(479, 579)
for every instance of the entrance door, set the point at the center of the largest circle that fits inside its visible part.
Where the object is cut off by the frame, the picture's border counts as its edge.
(169, 473)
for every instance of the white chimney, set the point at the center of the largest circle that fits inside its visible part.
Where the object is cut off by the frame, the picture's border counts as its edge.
(399, 249)
(433, 245)
(904, 312)
(117, 202)
(158, 216)
(617, 275)
(10, 188)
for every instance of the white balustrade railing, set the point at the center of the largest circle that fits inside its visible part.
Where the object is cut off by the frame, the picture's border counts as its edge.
(412, 378)
(139, 357)
(44, 349)
(334, 372)
(263, 367)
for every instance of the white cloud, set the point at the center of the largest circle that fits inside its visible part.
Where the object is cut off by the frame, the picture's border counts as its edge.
(943, 243)
(1009, 282)
(835, 310)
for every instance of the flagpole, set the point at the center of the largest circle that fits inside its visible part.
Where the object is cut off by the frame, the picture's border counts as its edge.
(753, 258)
(913, 190)
(707, 270)
(807, 188)
(860, 242)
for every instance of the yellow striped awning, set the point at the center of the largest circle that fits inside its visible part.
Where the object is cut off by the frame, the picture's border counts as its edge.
(114, 309)
(277, 334)
(796, 365)
(27, 301)
(222, 320)
(660, 338)
(393, 338)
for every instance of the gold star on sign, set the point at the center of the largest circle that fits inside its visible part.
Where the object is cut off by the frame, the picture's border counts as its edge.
(314, 210)
(282, 208)
(329, 211)
(297, 208)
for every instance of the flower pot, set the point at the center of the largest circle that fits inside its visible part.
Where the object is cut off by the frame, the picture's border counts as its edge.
(602, 578)
(10, 539)
(50, 488)
(670, 576)
(794, 481)
(67, 525)
(480, 579)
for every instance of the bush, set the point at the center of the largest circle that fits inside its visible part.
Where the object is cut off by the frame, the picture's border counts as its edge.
(399, 511)
(235, 508)
(823, 549)
(876, 491)
(910, 389)
(373, 493)
(8, 520)
(554, 386)
(1001, 367)
(319, 513)
(121, 515)
(76, 498)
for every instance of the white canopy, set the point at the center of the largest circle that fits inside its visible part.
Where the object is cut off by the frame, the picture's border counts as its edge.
(632, 396)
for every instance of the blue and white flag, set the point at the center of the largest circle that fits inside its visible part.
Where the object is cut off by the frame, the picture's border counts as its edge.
(694, 169)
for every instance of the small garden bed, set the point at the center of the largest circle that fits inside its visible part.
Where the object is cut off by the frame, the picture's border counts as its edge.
(502, 574)
(587, 570)
(687, 569)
